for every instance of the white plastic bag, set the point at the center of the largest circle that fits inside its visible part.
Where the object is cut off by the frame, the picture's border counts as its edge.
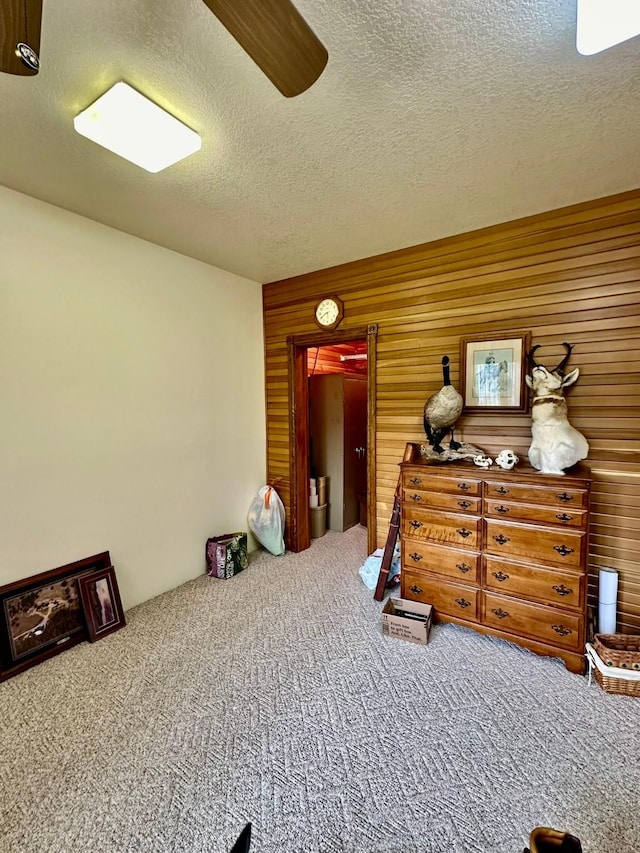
(266, 520)
(370, 571)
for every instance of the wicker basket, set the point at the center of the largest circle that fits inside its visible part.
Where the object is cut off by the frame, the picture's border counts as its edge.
(619, 650)
(613, 679)
(617, 685)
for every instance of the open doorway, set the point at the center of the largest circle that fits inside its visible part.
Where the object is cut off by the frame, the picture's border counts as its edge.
(338, 436)
(306, 352)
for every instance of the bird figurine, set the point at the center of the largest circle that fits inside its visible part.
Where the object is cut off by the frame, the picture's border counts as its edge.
(441, 411)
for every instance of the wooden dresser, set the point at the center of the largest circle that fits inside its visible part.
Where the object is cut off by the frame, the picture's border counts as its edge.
(502, 552)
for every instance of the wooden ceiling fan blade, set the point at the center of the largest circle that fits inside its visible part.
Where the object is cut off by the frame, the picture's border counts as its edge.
(277, 38)
(20, 25)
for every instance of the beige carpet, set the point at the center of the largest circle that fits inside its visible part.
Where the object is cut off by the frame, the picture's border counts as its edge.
(273, 697)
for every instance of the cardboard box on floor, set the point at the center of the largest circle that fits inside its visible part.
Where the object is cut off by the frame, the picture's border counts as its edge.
(397, 623)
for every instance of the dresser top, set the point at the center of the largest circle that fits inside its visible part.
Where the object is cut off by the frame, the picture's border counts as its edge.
(579, 475)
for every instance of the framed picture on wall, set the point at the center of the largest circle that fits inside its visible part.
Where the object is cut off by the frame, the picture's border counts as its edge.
(492, 372)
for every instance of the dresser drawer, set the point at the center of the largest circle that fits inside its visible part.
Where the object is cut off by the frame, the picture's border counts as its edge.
(443, 527)
(412, 479)
(531, 494)
(563, 548)
(460, 565)
(443, 500)
(539, 514)
(546, 624)
(565, 589)
(446, 598)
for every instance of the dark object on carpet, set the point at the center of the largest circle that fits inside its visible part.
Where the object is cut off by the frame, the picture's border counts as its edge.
(244, 841)
(226, 555)
(543, 839)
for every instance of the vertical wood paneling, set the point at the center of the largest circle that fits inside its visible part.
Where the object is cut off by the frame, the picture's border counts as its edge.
(571, 274)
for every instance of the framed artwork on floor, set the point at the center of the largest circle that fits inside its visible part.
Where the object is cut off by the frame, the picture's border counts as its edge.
(101, 602)
(43, 615)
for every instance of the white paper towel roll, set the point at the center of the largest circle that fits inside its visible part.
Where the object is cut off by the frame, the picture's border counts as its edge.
(313, 501)
(607, 600)
(608, 586)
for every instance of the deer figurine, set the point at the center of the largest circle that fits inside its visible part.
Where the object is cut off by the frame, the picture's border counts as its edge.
(555, 444)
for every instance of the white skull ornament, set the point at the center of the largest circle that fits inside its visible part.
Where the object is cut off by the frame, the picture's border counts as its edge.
(506, 459)
(482, 461)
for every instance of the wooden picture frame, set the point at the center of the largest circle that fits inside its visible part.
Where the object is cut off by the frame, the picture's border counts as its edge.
(492, 372)
(101, 601)
(42, 615)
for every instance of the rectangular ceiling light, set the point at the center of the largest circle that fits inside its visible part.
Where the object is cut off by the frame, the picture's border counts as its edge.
(132, 126)
(604, 23)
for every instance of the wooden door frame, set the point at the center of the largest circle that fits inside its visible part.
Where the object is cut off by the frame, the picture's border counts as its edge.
(299, 534)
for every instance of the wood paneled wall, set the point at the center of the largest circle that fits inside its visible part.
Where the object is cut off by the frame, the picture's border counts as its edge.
(568, 275)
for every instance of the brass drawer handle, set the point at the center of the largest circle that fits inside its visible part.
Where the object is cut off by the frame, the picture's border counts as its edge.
(561, 589)
(562, 630)
(464, 504)
(415, 524)
(502, 509)
(416, 498)
(564, 497)
(415, 589)
(416, 557)
(502, 539)
(501, 490)
(462, 602)
(415, 481)
(464, 532)
(563, 516)
(500, 576)
(463, 567)
(563, 550)
(500, 613)
(464, 486)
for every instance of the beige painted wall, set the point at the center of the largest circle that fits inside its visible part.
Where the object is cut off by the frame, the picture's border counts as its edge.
(131, 400)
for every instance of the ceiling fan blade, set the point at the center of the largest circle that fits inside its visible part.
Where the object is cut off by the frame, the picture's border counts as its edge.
(20, 24)
(277, 38)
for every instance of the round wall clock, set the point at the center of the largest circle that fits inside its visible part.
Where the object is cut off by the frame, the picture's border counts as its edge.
(329, 312)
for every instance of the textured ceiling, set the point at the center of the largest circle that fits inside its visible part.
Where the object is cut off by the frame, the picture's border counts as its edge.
(433, 117)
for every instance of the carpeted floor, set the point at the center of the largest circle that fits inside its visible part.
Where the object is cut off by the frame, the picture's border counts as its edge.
(273, 697)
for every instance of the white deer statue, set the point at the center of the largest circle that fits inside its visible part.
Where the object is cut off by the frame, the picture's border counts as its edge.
(555, 445)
